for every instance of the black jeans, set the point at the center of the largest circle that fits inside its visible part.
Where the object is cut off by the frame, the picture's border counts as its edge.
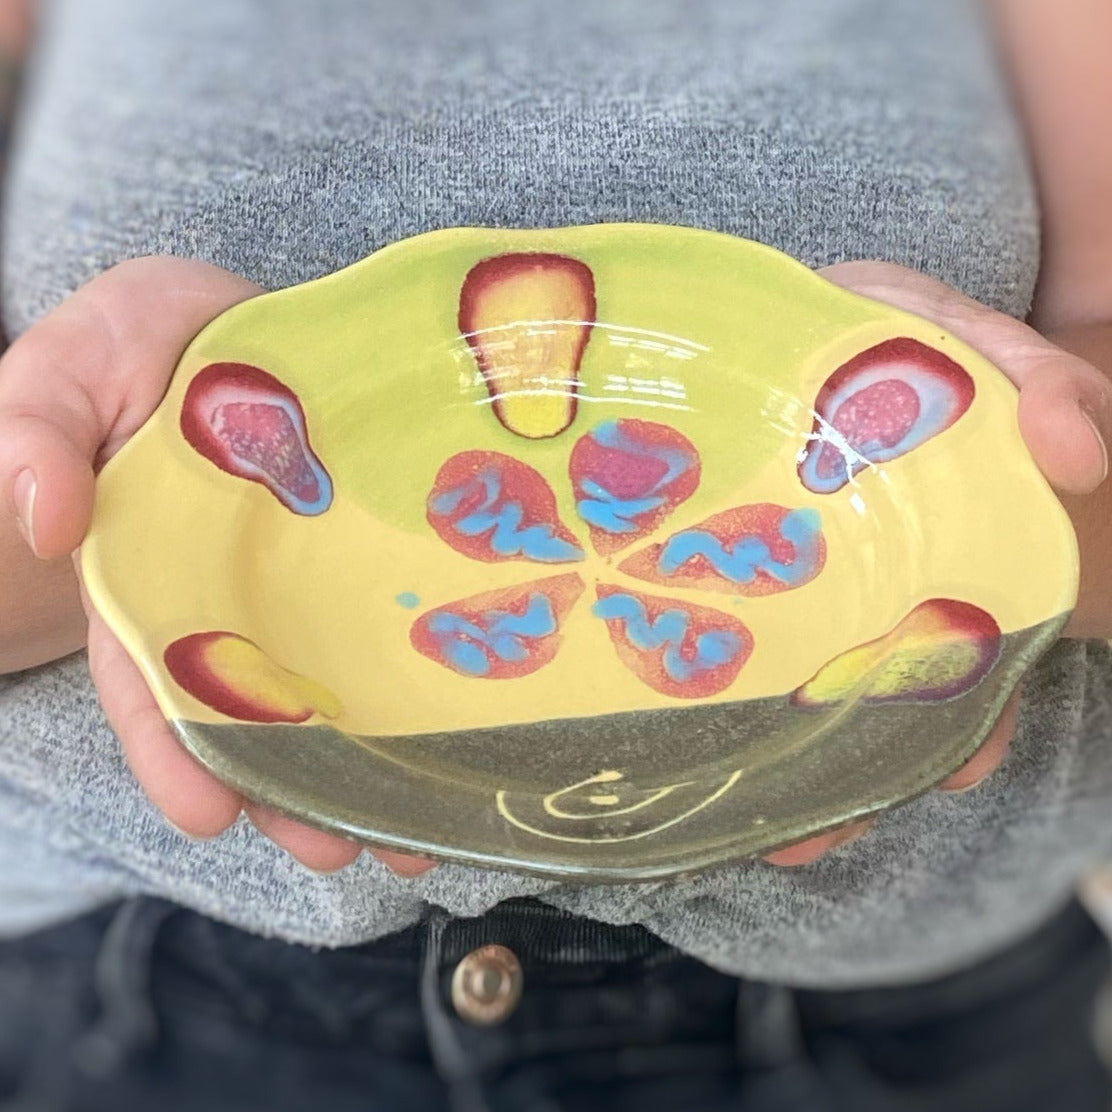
(149, 1008)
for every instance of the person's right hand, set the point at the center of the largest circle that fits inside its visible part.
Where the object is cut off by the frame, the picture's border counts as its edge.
(73, 389)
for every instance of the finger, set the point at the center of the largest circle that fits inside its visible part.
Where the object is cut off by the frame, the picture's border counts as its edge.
(811, 849)
(404, 864)
(982, 764)
(991, 755)
(1065, 405)
(324, 853)
(79, 383)
(190, 796)
(1067, 435)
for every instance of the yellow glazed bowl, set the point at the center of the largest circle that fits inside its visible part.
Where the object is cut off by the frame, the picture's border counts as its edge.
(602, 552)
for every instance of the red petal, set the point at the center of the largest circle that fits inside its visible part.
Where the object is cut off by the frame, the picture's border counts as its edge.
(493, 508)
(499, 634)
(629, 475)
(750, 550)
(690, 652)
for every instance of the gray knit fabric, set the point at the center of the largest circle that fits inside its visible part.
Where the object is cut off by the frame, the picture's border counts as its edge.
(284, 140)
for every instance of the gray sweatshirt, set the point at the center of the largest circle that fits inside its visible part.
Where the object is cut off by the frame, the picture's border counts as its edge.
(285, 140)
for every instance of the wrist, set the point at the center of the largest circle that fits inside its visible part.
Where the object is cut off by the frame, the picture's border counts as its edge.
(1091, 515)
(41, 617)
(16, 27)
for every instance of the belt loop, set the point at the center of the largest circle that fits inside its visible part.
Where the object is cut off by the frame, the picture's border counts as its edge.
(128, 1024)
(769, 1031)
(454, 1065)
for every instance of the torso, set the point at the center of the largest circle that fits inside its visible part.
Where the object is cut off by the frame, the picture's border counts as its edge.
(285, 140)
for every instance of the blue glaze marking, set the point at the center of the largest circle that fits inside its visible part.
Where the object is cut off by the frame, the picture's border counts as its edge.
(408, 599)
(503, 522)
(749, 555)
(606, 511)
(713, 648)
(467, 646)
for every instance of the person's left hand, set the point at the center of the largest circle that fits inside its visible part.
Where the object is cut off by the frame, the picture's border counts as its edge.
(1065, 416)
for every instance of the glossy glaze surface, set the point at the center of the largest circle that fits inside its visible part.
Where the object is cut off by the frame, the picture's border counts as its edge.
(645, 547)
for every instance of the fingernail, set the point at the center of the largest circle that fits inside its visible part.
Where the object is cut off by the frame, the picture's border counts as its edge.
(24, 491)
(857, 835)
(966, 787)
(320, 871)
(1100, 441)
(184, 833)
(411, 870)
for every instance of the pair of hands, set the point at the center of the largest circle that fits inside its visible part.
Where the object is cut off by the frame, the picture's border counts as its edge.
(79, 384)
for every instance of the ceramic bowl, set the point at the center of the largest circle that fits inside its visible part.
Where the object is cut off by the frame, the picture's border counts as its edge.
(607, 552)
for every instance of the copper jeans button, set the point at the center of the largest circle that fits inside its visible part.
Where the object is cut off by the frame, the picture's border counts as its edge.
(486, 986)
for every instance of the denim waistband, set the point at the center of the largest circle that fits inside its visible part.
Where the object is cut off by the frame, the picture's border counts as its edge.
(606, 1011)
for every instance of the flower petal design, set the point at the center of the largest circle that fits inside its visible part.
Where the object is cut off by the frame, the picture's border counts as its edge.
(251, 425)
(528, 318)
(940, 650)
(492, 507)
(628, 476)
(235, 677)
(690, 652)
(750, 550)
(881, 405)
(499, 634)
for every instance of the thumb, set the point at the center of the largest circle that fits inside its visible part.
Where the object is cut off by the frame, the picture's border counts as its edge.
(78, 384)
